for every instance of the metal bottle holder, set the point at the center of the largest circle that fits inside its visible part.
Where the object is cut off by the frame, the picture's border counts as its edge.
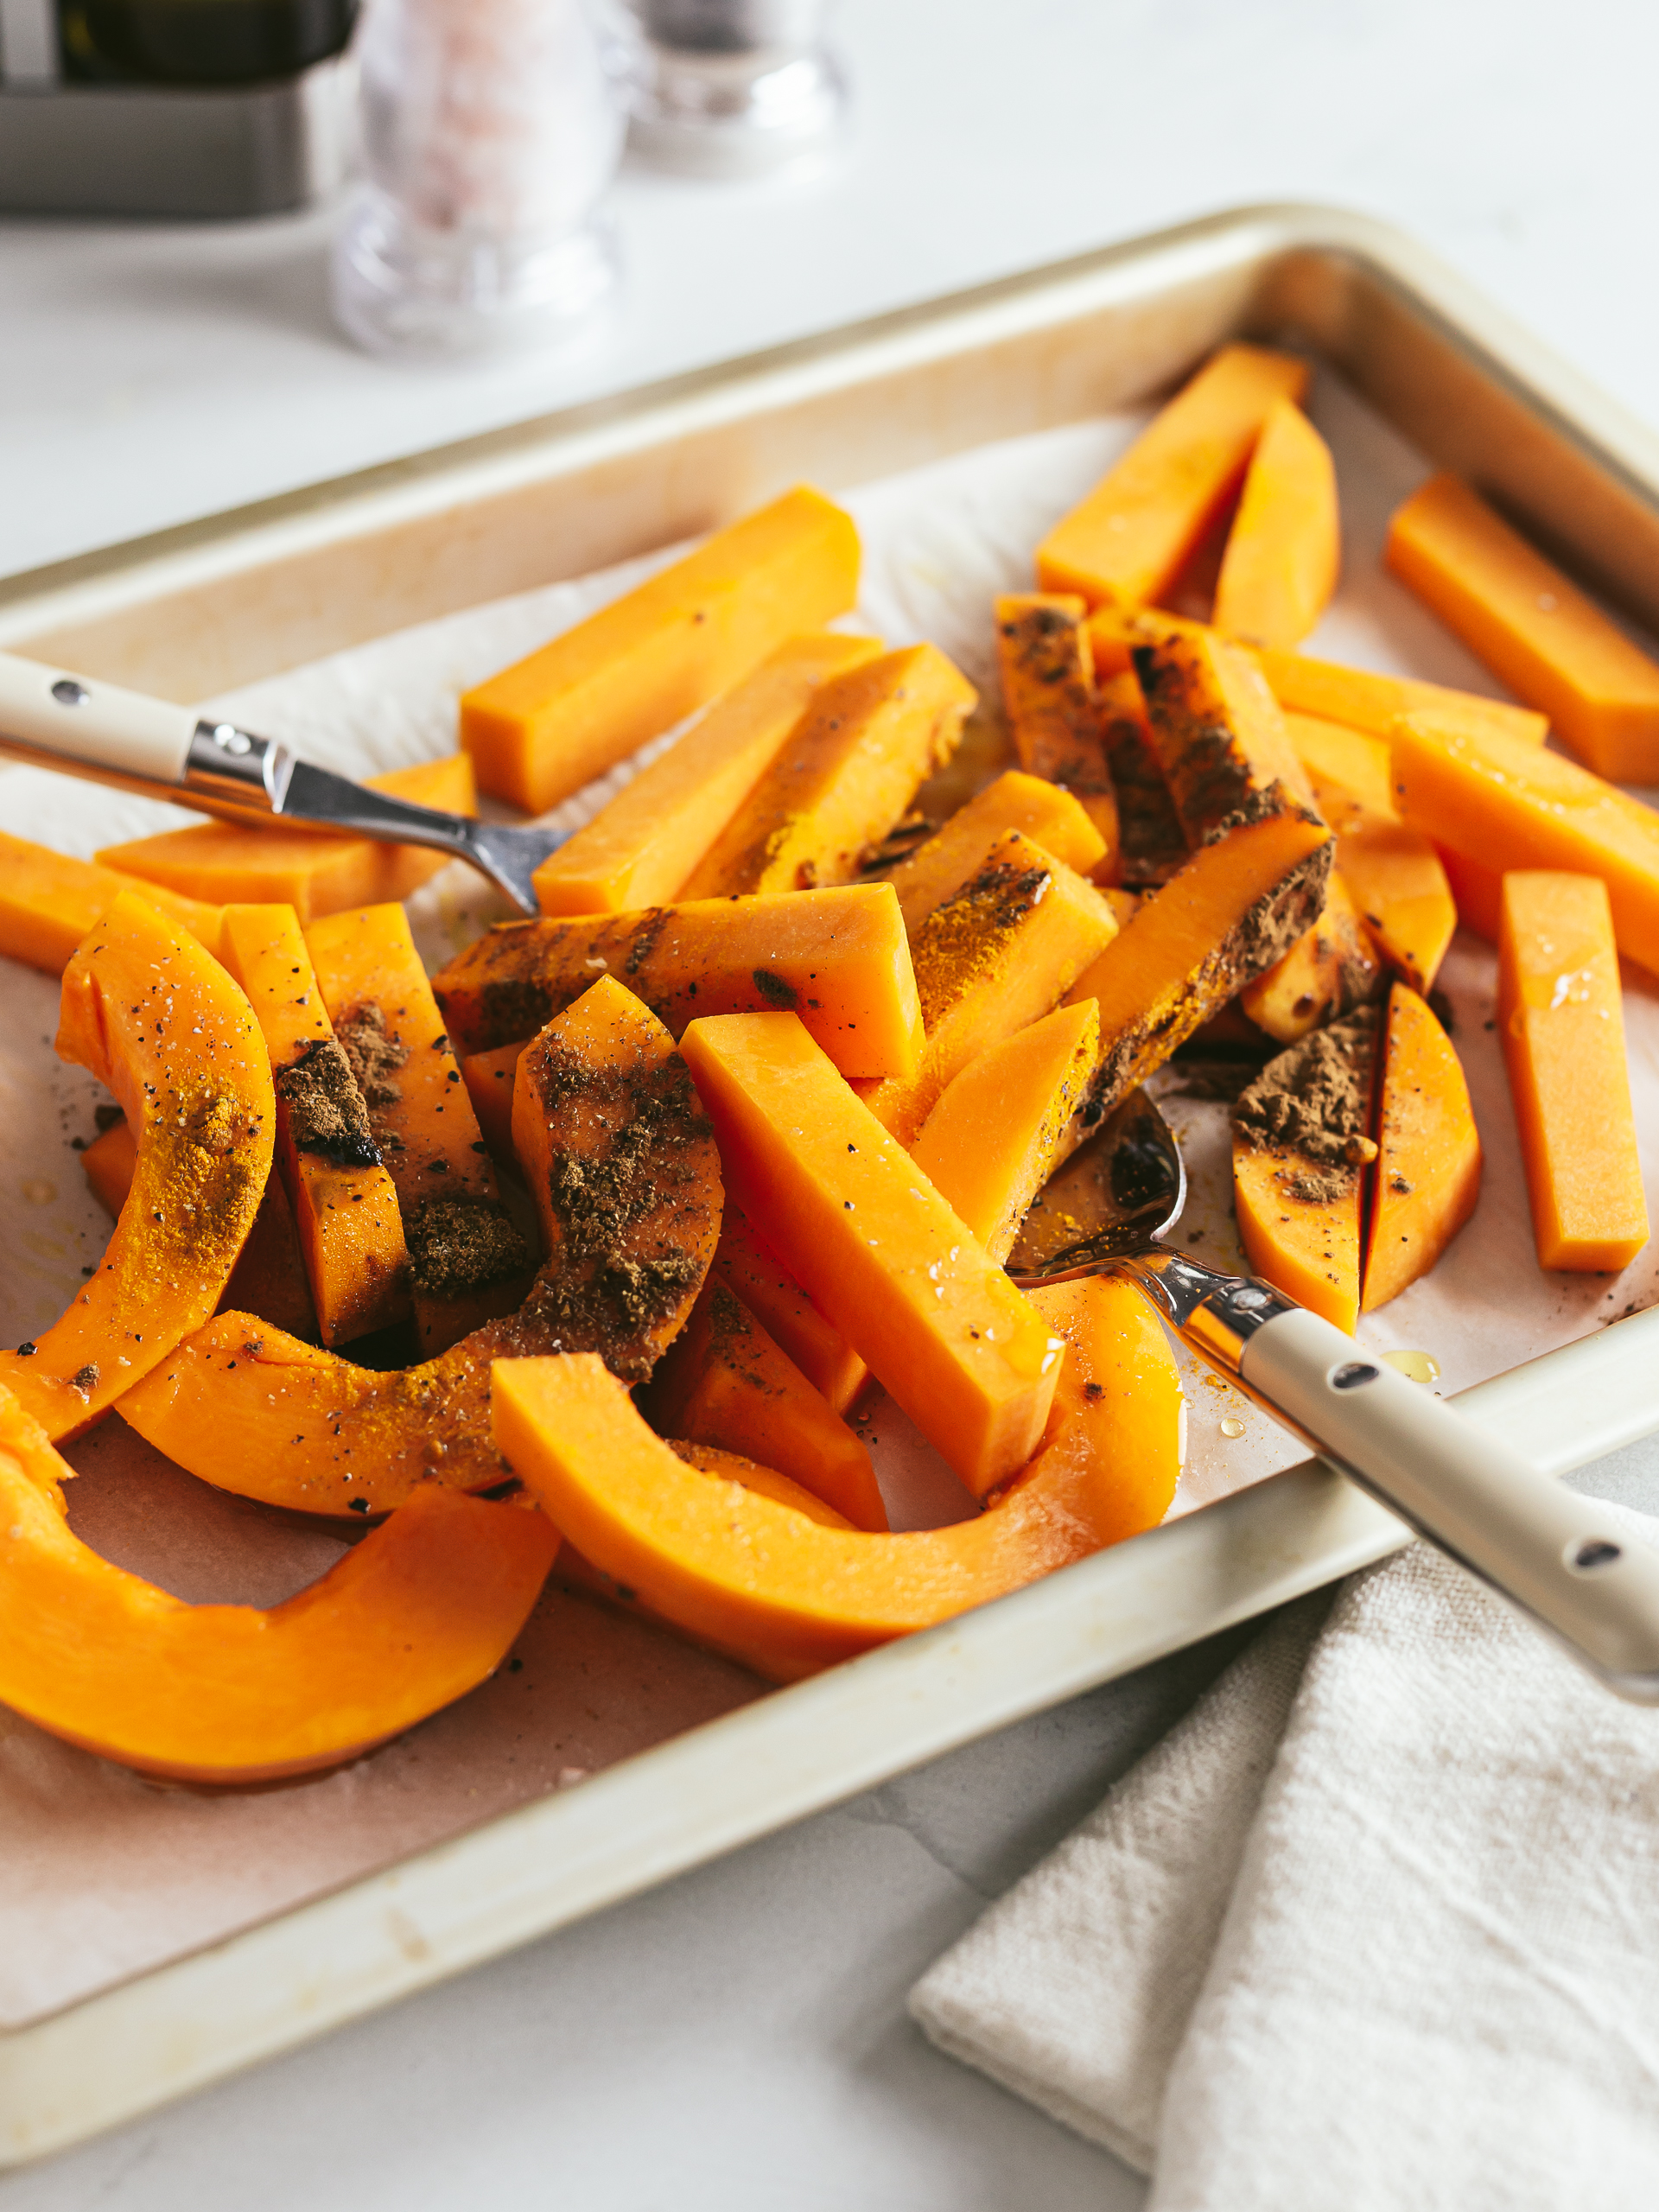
(160, 150)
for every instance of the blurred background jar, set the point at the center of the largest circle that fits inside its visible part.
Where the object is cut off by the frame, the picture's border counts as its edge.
(735, 88)
(490, 131)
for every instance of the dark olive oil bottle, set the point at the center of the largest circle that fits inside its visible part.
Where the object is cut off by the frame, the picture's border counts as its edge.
(199, 41)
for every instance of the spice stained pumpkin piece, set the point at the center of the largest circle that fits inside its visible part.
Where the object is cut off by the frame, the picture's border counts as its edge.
(1239, 903)
(839, 959)
(621, 1162)
(268, 1279)
(467, 1263)
(1002, 953)
(1048, 697)
(848, 772)
(1300, 1143)
(154, 1017)
(345, 1205)
(939, 869)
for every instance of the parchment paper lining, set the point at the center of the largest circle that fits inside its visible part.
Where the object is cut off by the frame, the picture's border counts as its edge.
(103, 1876)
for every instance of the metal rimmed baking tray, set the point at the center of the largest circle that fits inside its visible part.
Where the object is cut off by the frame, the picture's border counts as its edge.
(200, 609)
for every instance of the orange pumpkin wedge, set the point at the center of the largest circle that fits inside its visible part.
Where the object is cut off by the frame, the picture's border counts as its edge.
(1561, 1019)
(1128, 540)
(1331, 969)
(622, 1165)
(417, 1614)
(1217, 731)
(310, 870)
(1534, 630)
(1365, 701)
(643, 843)
(110, 1163)
(48, 902)
(838, 957)
(1299, 1146)
(1238, 906)
(752, 1271)
(875, 1245)
(550, 723)
(1426, 1182)
(848, 774)
(733, 1467)
(1476, 893)
(270, 1280)
(1508, 805)
(937, 871)
(489, 1080)
(723, 1382)
(742, 1571)
(1150, 843)
(1284, 546)
(158, 1019)
(1358, 698)
(345, 1207)
(1397, 879)
(991, 1142)
(1048, 699)
(467, 1263)
(998, 955)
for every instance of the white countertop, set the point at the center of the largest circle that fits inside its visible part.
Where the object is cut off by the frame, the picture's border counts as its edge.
(738, 2039)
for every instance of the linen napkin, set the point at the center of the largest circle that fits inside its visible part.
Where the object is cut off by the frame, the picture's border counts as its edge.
(1375, 1925)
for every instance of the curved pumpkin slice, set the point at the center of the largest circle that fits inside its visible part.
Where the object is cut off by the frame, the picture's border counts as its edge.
(726, 1467)
(158, 1019)
(744, 1572)
(268, 1279)
(765, 1482)
(418, 1613)
(623, 1154)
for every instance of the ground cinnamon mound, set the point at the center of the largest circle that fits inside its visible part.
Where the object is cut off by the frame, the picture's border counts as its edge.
(460, 1245)
(326, 1109)
(1314, 1099)
(373, 1055)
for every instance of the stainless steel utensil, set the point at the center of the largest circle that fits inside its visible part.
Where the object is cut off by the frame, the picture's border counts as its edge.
(83, 727)
(1549, 1551)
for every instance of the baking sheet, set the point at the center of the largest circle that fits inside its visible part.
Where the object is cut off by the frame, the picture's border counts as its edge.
(102, 1875)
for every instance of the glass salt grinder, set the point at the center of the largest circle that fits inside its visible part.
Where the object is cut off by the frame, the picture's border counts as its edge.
(735, 88)
(491, 130)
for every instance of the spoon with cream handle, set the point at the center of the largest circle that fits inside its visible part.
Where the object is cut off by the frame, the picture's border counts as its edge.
(1550, 1551)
